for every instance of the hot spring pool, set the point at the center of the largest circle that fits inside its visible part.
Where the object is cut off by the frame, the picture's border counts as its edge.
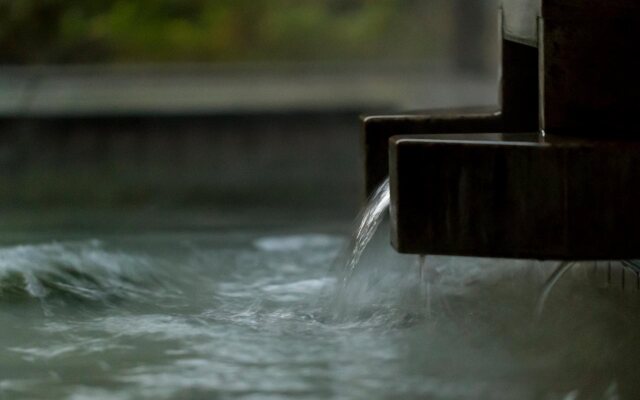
(254, 314)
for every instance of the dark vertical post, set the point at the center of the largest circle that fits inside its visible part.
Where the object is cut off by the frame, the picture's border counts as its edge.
(591, 69)
(519, 92)
(520, 101)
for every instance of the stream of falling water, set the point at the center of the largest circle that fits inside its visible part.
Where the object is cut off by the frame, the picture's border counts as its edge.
(364, 285)
(367, 224)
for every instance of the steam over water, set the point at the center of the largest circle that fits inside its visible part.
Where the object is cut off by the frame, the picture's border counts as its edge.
(259, 314)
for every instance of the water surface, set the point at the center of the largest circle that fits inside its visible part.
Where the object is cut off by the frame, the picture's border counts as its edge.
(242, 313)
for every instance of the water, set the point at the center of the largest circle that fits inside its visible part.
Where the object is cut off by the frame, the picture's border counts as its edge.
(251, 313)
(367, 224)
(553, 280)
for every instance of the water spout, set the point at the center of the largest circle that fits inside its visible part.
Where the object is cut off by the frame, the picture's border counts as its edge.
(367, 223)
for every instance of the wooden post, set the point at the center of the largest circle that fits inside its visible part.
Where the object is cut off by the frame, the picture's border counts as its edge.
(590, 75)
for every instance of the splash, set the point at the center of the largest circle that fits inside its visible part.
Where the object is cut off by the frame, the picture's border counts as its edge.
(375, 285)
(562, 269)
(627, 278)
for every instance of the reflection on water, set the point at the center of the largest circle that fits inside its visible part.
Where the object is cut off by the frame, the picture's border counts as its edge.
(251, 315)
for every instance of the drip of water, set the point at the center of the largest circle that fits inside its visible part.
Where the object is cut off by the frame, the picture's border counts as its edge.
(368, 222)
(425, 282)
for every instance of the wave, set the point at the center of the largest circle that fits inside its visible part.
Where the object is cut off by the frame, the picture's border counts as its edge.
(87, 272)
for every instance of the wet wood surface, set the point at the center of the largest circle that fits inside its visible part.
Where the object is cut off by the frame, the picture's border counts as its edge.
(515, 196)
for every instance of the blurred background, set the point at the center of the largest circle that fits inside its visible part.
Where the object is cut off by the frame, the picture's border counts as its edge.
(231, 107)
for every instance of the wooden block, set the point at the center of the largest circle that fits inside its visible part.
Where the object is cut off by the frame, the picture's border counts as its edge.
(515, 196)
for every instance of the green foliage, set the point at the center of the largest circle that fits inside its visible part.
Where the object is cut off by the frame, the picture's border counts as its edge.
(63, 31)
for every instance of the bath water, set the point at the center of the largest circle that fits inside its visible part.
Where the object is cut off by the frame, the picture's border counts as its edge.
(251, 312)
